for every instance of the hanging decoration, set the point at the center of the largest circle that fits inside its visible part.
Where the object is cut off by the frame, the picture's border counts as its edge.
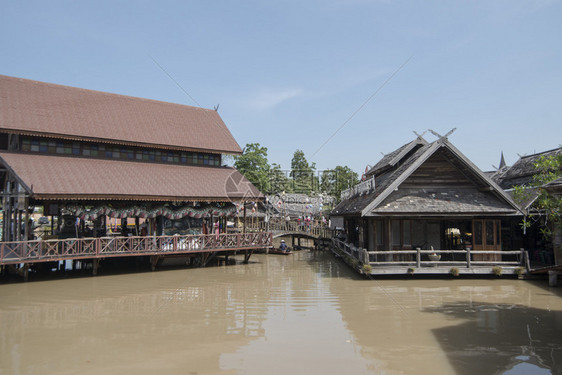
(145, 212)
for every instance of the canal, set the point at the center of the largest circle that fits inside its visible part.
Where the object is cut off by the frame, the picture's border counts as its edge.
(305, 313)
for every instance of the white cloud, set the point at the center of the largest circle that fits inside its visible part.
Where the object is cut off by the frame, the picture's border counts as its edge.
(267, 99)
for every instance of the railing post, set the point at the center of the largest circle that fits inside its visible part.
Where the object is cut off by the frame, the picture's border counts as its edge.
(468, 265)
(418, 257)
(526, 253)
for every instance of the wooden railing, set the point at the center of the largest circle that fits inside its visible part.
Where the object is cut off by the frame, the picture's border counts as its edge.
(465, 258)
(291, 227)
(80, 248)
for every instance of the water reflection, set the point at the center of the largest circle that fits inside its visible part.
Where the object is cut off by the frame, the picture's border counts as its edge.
(505, 338)
(303, 313)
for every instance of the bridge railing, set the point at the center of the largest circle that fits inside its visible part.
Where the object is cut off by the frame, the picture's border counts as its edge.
(291, 227)
(79, 248)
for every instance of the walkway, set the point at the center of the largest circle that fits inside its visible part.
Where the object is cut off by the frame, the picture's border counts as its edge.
(30, 252)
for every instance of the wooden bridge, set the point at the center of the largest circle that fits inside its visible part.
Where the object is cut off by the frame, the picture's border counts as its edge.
(95, 249)
(419, 262)
(319, 234)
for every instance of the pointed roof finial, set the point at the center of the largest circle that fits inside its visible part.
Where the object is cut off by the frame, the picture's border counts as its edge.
(502, 162)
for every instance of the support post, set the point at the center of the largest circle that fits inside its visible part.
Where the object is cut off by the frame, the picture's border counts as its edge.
(153, 261)
(25, 272)
(95, 266)
(418, 257)
(552, 278)
(468, 265)
(527, 264)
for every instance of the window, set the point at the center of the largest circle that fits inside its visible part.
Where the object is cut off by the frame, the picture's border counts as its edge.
(35, 146)
(401, 234)
(379, 234)
(75, 148)
(396, 233)
(26, 145)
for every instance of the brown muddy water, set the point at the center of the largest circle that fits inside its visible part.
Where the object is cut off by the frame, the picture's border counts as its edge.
(305, 313)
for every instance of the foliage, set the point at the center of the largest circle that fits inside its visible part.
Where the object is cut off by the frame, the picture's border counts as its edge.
(367, 268)
(254, 166)
(411, 271)
(519, 271)
(548, 207)
(334, 181)
(454, 271)
(278, 180)
(303, 174)
(497, 270)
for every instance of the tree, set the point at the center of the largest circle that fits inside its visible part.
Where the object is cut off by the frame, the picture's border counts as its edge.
(547, 207)
(336, 180)
(304, 180)
(278, 180)
(254, 166)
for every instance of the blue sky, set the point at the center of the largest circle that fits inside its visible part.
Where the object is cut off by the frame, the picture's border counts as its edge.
(288, 74)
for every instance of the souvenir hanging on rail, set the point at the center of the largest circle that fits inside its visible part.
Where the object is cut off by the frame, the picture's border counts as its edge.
(145, 212)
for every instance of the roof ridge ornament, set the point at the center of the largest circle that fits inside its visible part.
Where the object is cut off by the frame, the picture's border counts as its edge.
(442, 137)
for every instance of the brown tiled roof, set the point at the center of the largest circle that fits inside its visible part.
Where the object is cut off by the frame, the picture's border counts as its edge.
(53, 110)
(58, 177)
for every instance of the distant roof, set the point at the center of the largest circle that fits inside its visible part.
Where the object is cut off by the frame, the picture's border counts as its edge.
(389, 196)
(50, 110)
(52, 177)
(521, 173)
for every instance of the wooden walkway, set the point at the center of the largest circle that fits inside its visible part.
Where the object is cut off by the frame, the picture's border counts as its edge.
(418, 262)
(30, 252)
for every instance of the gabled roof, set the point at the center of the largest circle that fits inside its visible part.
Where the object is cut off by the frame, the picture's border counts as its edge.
(393, 158)
(45, 109)
(52, 177)
(482, 198)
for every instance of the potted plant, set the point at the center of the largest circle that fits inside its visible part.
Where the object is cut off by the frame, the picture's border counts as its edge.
(434, 257)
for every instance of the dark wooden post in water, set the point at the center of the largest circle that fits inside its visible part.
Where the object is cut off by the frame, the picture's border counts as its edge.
(95, 266)
(246, 257)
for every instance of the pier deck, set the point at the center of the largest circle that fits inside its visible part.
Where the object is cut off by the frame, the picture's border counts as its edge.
(29, 252)
(444, 262)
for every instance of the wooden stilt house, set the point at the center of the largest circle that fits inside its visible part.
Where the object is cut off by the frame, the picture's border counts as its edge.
(426, 196)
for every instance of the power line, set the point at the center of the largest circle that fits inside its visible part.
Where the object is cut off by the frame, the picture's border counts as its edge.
(362, 105)
(176, 82)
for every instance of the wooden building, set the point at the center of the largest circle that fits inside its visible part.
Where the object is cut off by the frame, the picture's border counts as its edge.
(86, 155)
(545, 251)
(428, 196)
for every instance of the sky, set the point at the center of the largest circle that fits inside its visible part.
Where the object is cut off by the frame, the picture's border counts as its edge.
(345, 81)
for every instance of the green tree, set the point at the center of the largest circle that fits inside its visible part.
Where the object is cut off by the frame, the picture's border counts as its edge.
(254, 166)
(547, 206)
(336, 180)
(278, 180)
(303, 174)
